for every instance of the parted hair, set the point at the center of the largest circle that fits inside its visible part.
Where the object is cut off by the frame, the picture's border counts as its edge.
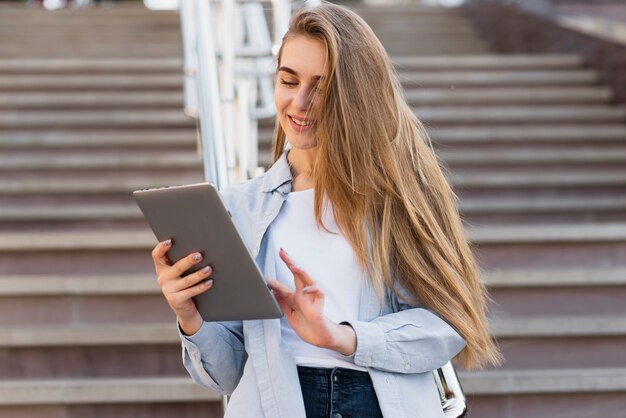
(376, 166)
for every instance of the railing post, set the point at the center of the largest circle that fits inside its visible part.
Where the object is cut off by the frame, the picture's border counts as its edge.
(209, 110)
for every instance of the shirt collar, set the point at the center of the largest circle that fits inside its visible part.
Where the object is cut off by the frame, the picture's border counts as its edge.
(278, 175)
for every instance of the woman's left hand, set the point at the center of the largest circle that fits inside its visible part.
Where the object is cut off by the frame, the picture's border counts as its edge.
(304, 310)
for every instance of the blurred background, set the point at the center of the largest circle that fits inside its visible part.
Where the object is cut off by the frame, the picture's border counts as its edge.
(525, 105)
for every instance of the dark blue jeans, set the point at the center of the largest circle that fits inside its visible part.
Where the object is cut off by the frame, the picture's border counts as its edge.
(338, 393)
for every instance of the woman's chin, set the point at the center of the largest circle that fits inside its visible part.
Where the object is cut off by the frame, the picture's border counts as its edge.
(302, 144)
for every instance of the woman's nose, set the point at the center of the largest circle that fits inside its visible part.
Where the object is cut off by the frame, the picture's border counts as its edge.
(303, 98)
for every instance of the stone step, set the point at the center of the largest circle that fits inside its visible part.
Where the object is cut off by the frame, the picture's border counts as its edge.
(143, 239)
(513, 135)
(103, 391)
(113, 184)
(182, 389)
(118, 184)
(99, 211)
(100, 161)
(542, 234)
(537, 180)
(107, 82)
(497, 382)
(487, 62)
(410, 79)
(83, 119)
(557, 278)
(508, 96)
(96, 99)
(96, 138)
(521, 114)
(90, 285)
(563, 326)
(145, 284)
(543, 204)
(84, 65)
(458, 79)
(436, 115)
(114, 334)
(89, 335)
(533, 157)
(152, 161)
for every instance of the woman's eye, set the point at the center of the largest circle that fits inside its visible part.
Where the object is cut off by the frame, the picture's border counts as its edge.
(288, 83)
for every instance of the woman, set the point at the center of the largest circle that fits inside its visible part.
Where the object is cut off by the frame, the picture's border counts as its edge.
(379, 287)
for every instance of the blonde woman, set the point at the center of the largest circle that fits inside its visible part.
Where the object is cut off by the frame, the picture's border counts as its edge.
(359, 235)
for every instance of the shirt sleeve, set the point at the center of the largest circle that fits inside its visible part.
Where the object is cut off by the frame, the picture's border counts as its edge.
(215, 355)
(410, 340)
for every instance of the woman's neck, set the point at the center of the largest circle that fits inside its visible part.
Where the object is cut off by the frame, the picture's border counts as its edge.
(301, 162)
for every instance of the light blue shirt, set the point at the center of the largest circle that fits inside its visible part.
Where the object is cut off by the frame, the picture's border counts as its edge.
(398, 344)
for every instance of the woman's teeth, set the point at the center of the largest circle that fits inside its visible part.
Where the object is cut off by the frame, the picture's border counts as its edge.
(301, 122)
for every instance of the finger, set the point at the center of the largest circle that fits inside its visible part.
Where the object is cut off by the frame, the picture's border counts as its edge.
(174, 272)
(159, 256)
(195, 290)
(279, 288)
(191, 279)
(301, 278)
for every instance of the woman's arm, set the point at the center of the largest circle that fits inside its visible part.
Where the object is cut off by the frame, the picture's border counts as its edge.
(413, 340)
(213, 353)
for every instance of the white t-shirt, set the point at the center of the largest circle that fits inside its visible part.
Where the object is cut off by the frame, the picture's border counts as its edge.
(329, 260)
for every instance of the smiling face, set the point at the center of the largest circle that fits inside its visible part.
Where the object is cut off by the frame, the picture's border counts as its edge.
(301, 66)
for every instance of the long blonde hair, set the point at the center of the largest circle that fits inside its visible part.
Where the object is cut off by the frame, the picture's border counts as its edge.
(389, 195)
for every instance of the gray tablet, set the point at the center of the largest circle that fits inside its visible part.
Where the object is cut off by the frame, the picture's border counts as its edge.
(195, 218)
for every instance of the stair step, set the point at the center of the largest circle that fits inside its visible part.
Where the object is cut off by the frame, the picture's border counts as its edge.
(468, 206)
(543, 204)
(564, 326)
(508, 382)
(523, 134)
(91, 285)
(82, 119)
(577, 178)
(142, 284)
(69, 212)
(85, 240)
(68, 82)
(89, 335)
(97, 138)
(555, 233)
(491, 78)
(100, 161)
(534, 157)
(488, 62)
(98, 65)
(521, 114)
(103, 391)
(110, 185)
(560, 277)
(115, 184)
(472, 96)
(98, 99)
(94, 334)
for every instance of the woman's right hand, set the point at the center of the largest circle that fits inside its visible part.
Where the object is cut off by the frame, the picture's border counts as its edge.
(178, 290)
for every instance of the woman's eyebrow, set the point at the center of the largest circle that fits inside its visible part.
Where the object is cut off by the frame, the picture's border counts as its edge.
(294, 72)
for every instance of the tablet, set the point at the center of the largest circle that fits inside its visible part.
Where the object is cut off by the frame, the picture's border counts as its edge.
(196, 220)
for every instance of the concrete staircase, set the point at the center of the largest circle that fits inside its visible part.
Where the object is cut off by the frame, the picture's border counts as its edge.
(536, 153)
(535, 150)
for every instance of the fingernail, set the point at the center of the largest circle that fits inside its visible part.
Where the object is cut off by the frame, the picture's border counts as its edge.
(167, 243)
(283, 250)
(208, 282)
(206, 270)
(196, 257)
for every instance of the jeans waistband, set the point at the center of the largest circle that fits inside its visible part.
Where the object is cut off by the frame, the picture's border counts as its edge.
(356, 376)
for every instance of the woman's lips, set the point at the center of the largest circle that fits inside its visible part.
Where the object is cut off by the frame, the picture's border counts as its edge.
(300, 128)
